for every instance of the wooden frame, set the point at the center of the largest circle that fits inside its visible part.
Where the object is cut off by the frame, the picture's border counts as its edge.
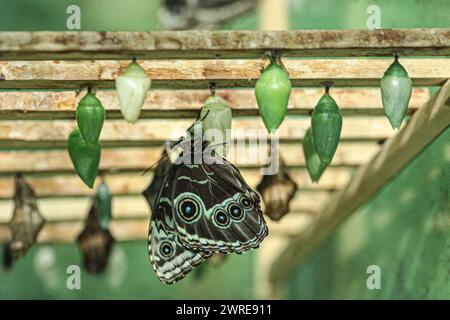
(164, 104)
(55, 185)
(135, 206)
(198, 74)
(221, 44)
(38, 134)
(136, 228)
(137, 159)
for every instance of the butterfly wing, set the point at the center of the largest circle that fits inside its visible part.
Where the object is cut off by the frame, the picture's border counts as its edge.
(153, 189)
(162, 169)
(214, 209)
(170, 259)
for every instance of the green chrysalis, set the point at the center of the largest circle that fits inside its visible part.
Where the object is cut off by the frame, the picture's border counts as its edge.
(314, 165)
(90, 117)
(216, 123)
(326, 124)
(272, 91)
(85, 158)
(396, 88)
(103, 199)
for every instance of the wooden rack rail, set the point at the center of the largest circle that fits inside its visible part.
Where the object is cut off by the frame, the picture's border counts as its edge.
(163, 104)
(197, 74)
(221, 44)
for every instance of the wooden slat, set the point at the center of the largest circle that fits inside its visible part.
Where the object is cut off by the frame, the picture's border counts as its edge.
(152, 133)
(198, 74)
(140, 159)
(424, 126)
(130, 207)
(60, 143)
(123, 230)
(57, 209)
(43, 105)
(45, 135)
(221, 44)
(70, 185)
(130, 229)
(63, 232)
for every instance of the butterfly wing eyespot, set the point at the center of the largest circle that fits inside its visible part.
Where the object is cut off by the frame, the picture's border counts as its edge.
(245, 202)
(188, 207)
(235, 211)
(221, 218)
(166, 249)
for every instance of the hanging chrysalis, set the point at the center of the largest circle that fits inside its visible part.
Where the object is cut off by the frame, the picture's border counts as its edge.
(277, 192)
(90, 117)
(396, 88)
(103, 200)
(132, 87)
(314, 165)
(326, 124)
(7, 260)
(85, 158)
(26, 222)
(216, 122)
(95, 243)
(272, 90)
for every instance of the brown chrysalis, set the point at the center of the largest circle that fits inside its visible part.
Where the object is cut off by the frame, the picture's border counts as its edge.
(95, 243)
(277, 192)
(26, 222)
(7, 256)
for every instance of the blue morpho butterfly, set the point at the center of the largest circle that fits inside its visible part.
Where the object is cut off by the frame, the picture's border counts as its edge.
(199, 208)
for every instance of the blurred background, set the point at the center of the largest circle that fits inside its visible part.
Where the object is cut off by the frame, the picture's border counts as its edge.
(151, 15)
(400, 229)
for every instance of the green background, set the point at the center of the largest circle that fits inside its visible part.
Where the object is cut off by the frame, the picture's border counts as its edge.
(42, 275)
(141, 15)
(404, 229)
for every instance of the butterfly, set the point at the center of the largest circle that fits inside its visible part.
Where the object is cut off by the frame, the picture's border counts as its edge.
(199, 208)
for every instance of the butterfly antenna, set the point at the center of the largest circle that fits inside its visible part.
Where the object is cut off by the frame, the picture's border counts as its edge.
(191, 126)
(153, 165)
(198, 118)
(219, 144)
(204, 117)
(164, 156)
